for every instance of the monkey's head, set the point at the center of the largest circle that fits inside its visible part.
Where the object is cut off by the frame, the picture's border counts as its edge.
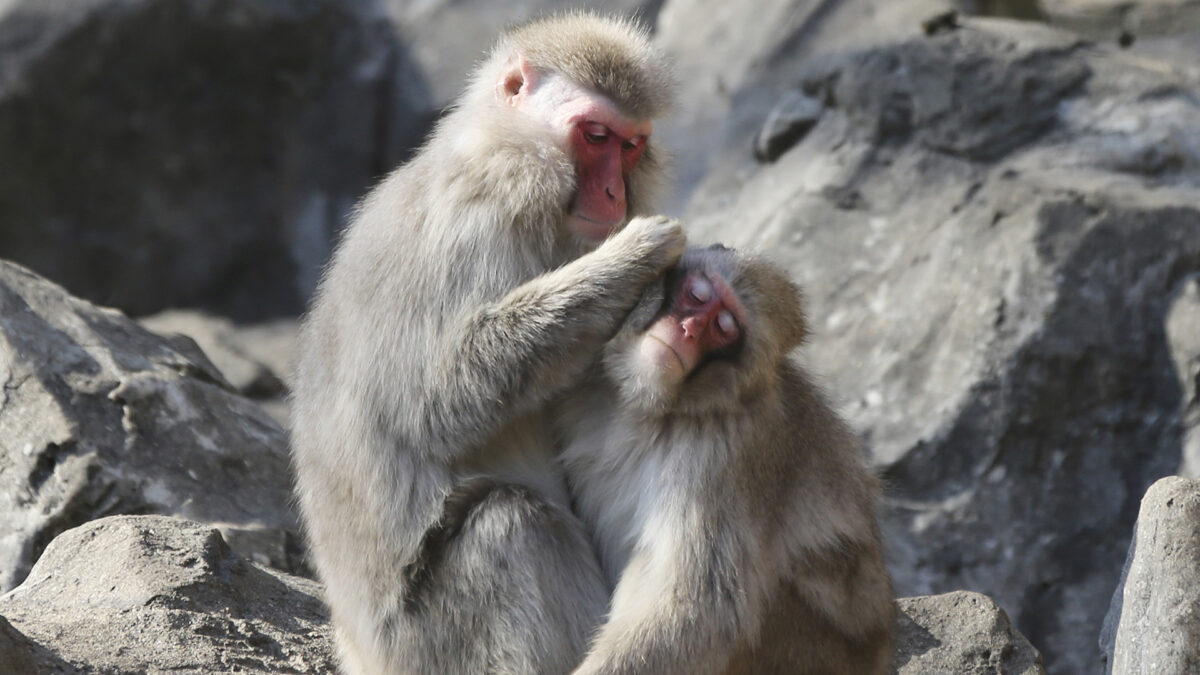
(714, 332)
(592, 85)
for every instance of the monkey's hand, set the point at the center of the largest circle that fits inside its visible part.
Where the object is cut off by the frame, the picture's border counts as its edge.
(655, 241)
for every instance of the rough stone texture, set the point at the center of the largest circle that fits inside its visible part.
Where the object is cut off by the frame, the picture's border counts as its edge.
(720, 47)
(238, 352)
(136, 594)
(991, 225)
(962, 633)
(160, 153)
(255, 358)
(21, 655)
(1183, 336)
(1108, 19)
(98, 416)
(1153, 625)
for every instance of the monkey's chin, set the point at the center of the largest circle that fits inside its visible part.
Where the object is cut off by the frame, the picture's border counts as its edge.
(591, 231)
(661, 359)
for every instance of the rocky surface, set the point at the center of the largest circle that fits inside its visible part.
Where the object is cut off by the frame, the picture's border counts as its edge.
(1153, 625)
(99, 416)
(151, 593)
(991, 224)
(256, 358)
(162, 153)
(136, 594)
(962, 633)
(1110, 19)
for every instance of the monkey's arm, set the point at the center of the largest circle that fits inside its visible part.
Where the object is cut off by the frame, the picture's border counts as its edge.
(519, 351)
(681, 606)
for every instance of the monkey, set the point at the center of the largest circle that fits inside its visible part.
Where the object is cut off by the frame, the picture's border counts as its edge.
(733, 515)
(473, 286)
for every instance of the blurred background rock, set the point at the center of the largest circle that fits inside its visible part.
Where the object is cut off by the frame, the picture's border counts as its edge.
(993, 206)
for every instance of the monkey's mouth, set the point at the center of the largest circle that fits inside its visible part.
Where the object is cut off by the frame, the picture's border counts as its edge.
(678, 359)
(592, 230)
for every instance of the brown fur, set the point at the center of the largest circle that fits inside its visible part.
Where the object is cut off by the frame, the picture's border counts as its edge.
(732, 512)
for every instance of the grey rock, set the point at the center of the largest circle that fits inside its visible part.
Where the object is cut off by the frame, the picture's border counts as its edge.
(722, 47)
(794, 115)
(988, 277)
(1154, 623)
(255, 359)
(1108, 19)
(159, 153)
(135, 594)
(962, 633)
(98, 416)
(1183, 336)
(19, 654)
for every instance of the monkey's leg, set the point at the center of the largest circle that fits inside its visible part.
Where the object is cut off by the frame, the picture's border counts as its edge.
(511, 585)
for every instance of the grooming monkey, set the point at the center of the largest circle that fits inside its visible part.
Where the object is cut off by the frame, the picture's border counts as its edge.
(472, 286)
(728, 501)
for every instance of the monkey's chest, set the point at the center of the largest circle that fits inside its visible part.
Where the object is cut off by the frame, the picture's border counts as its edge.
(617, 501)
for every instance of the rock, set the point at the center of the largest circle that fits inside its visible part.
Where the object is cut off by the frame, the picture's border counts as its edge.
(98, 416)
(230, 348)
(1108, 19)
(720, 47)
(961, 633)
(991, 225)
(795, 114)
(129, 594)
(159, 153)
(1154, 610)
(1183, 336)
(19, 654)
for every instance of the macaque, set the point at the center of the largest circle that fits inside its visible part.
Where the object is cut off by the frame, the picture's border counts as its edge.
(729, 503)
(474, 285)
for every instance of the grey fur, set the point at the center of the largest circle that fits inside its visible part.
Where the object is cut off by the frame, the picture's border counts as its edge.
(732, 512)
(457, 304)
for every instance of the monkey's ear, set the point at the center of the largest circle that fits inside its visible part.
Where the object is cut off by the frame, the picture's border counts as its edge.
(516, 80)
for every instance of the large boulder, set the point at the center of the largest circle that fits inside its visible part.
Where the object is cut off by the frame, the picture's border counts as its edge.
(160, 153)
(136, 594)
(99, 416)
(962, 633)
(991, 224)
(1153, 625)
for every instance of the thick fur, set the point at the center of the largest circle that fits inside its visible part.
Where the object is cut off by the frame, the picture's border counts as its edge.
(732, 513)
(456, 305)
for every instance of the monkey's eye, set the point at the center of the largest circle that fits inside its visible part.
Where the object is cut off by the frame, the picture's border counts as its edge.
(632, 144)
(701, 290)
(727, 323)
(595, 134)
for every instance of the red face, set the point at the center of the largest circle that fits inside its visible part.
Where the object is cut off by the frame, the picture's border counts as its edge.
(702, 320)
(604, 158)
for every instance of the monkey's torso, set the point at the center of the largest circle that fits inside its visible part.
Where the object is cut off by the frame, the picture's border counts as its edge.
(746, 501)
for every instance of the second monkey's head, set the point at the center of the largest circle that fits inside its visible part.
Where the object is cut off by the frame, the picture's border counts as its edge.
(715, 332)
(589, 87)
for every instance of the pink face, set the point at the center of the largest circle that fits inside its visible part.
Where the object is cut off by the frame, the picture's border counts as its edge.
(607, 147)
(703, 318)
